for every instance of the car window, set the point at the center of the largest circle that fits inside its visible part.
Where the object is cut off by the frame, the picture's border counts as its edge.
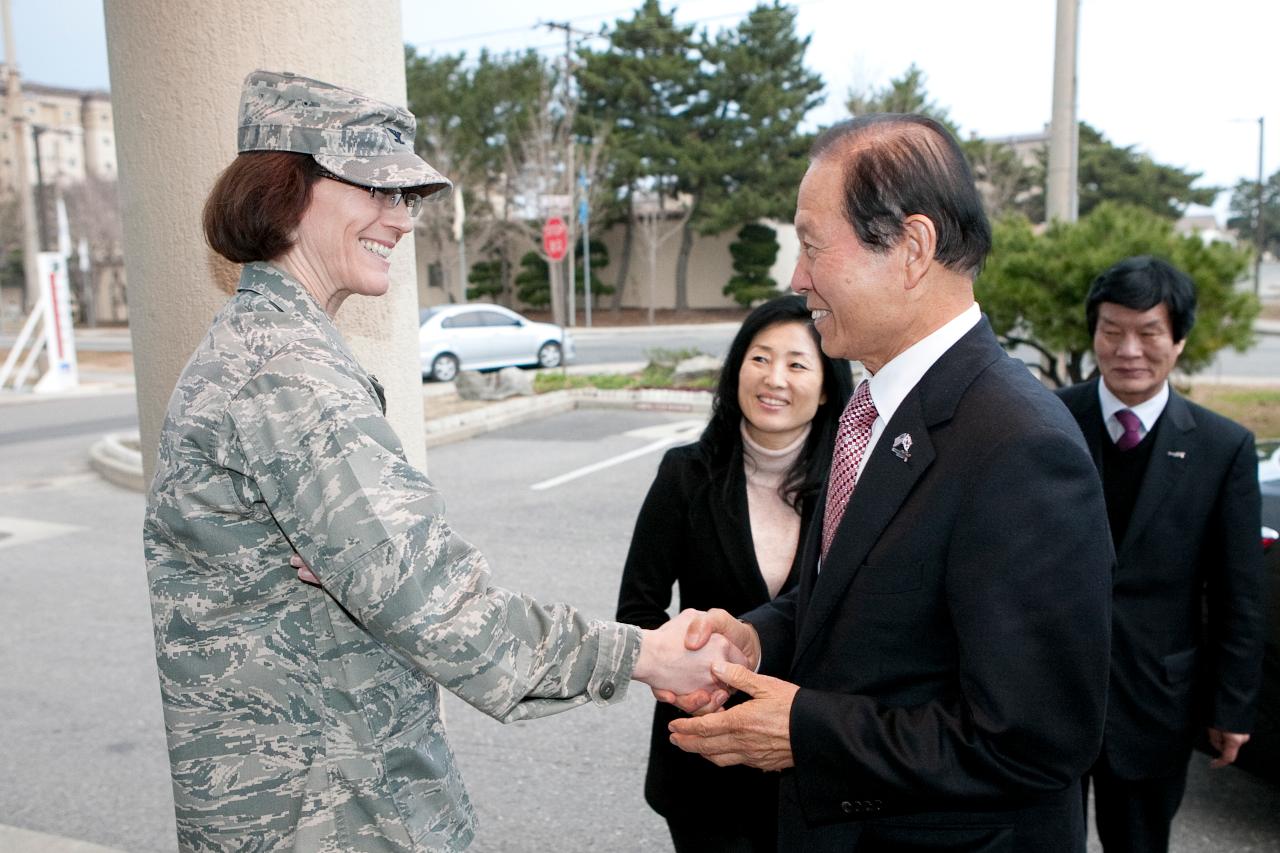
(465, 320)
(496, 318)
(426, 314)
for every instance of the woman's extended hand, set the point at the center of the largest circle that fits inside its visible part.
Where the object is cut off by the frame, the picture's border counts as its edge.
(673, 670)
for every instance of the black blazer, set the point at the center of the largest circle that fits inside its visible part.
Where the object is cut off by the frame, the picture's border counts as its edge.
(1191, 548)
(694, 532)
(952, 653)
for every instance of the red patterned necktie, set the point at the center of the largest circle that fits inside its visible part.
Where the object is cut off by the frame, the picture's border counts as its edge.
(851, 444)
(1132, 430)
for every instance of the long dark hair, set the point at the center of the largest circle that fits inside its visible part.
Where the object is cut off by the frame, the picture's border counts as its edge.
(723, 436)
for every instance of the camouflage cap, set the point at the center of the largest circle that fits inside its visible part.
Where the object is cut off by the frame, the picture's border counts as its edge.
(359, 139)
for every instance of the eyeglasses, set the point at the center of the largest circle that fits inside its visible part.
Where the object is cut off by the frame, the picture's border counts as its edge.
(390, 198)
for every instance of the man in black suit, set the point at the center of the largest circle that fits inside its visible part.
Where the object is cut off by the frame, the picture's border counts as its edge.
(942, 663)
(1182, 497)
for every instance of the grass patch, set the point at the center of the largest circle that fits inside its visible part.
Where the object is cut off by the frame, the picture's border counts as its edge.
(658, 373)
(546, 381)
(1258, 408)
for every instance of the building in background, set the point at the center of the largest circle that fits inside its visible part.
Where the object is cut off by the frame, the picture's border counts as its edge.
(71, 154)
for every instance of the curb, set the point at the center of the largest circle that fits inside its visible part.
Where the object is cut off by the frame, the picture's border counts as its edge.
(117, 459)
(507, 413)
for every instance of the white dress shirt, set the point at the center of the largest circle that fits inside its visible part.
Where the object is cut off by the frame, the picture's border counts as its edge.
(1148, 411)
(893, 382)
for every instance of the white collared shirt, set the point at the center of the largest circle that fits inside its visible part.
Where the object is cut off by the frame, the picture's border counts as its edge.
(1148, 411)
(893, 382)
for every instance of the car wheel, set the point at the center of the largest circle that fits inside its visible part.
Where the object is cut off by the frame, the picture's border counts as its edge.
(444, 368)
(549, 354)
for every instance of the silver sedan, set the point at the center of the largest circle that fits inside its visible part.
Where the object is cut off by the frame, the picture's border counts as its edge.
(479, 336)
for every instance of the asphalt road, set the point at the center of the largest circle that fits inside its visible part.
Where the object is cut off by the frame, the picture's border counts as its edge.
(605, 346)
(82, 744)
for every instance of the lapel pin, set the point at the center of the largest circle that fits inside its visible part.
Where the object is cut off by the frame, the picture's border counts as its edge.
(902, 446)
(1178, 454)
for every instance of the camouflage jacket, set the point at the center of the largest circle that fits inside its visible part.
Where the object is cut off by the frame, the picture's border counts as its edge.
(304, 718)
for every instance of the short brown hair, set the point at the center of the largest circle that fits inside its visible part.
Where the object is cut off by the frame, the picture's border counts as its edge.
(257, 202)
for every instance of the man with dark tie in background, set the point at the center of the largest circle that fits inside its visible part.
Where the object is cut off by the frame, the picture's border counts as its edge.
(1182, 499)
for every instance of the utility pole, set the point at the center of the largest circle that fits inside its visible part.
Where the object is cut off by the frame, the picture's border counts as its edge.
(22, 182)
(1257, 225)
(569, 173)
(1062, 194)
(584, 216)
(459, 223)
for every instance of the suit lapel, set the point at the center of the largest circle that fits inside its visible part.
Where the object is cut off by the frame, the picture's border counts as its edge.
(1170, 457)
(881, 490)
(887, 480)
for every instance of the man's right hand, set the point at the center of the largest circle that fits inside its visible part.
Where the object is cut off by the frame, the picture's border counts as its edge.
(700, 630)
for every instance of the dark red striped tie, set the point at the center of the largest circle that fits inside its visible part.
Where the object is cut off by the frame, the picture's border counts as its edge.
(851, 444)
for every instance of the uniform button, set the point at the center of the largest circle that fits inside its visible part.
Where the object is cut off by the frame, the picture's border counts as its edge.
(846, 807)
(606, 690)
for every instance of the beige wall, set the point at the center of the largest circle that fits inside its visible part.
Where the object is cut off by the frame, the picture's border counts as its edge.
(710, 267)
(176, 72)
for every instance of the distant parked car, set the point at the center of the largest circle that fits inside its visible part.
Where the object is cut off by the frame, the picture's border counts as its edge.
(1269, 484)
(1261, 755)
(482, 337)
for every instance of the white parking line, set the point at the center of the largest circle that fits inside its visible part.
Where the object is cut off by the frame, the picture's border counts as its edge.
(63, 482)
(666, 434)
(16, 840)
(20, 531)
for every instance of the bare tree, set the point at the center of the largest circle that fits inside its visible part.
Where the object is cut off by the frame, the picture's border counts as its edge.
(658, 218)
(538, 162)
(93, 215)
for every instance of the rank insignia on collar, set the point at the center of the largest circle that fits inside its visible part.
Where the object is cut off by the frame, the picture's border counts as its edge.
(902, 446)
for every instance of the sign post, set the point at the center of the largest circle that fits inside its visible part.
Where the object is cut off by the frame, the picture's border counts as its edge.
(584, 217)
(60, 345)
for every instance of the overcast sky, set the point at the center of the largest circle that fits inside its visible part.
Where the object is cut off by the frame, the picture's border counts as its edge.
(1184, 80)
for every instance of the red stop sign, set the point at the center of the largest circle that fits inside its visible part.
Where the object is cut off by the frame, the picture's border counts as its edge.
(555, 238)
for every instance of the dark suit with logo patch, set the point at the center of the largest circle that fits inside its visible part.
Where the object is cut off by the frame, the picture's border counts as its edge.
(1187, 549)
(952, 652)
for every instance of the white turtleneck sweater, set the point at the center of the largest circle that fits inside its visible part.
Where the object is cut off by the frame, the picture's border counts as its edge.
(775, 525)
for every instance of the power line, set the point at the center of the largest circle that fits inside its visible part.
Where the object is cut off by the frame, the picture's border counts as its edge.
(601, 16)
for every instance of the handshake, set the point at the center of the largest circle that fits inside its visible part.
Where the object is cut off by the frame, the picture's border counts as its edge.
(676, 660)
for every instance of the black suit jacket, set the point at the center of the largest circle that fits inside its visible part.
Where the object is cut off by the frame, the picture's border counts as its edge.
(694, 532)
(1191, 549)
(952, 653)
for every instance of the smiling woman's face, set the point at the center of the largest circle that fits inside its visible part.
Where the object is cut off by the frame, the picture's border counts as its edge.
(780, 384)
(344, 241)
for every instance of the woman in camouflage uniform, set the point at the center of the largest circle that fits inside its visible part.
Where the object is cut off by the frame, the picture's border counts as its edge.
(308, 717)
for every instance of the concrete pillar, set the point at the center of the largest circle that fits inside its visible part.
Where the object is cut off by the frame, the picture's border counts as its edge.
(1062, 193)
(176, 70)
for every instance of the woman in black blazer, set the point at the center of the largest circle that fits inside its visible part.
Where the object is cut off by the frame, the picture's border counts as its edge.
(722, 520)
